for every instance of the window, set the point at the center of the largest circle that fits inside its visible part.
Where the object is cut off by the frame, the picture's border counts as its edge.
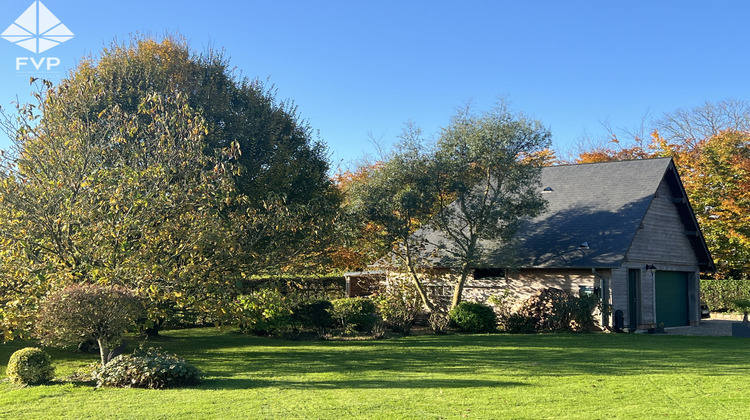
(489, 274)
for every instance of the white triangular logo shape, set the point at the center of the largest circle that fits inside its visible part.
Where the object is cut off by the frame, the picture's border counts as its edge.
(15, 30)
(27, 20)
(37, 29)
(46, 19)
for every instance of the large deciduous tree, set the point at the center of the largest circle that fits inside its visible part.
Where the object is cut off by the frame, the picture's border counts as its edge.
(716, 174)
(688, 125)
(155, 168)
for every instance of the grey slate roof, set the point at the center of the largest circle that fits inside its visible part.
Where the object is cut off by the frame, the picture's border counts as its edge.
(600, 204)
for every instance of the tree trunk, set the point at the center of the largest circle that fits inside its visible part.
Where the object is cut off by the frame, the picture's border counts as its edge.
(415, 278)
(103, 351)
(153, 331)
(459, 287)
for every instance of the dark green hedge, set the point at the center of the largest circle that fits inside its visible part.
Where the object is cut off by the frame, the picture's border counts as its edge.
(719, 294)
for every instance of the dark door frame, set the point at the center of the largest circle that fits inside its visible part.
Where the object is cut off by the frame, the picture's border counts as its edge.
(634, 286)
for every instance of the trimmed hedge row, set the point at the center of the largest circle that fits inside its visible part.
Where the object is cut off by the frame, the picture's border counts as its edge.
(720, 294)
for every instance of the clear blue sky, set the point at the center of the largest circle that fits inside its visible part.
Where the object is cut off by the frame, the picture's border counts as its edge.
(361, 68)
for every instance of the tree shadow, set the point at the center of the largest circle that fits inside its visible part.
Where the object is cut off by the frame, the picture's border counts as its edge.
(395, 383)
(555, 239)
(233, 361)
(517, 356)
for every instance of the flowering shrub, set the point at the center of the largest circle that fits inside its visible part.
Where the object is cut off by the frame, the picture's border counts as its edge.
(151, 368)
(30, 366)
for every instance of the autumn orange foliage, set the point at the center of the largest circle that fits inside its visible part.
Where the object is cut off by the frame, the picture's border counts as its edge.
(715, 173)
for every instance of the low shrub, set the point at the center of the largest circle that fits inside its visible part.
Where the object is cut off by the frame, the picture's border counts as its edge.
(378, 330)
(519, 324)
(396, 312)
(555, 310)
(265, 312)
(473, 318)
(355, 314)
(439, 322)
(744, 306)
(503, 304)
(315, 315)
(398, 304)
(30, 366)
(150, 368)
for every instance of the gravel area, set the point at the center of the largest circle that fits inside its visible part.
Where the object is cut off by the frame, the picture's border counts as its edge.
(707, 327)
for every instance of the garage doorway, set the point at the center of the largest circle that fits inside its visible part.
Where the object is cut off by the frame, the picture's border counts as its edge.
(671, 298)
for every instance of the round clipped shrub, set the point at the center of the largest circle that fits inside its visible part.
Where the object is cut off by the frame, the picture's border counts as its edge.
(30, 366)
(151, 368)
(473, 318)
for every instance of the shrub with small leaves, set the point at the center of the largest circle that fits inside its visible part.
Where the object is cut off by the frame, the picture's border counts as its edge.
(355, 314)
(315, 315)
(397, 313)
(439, 322)
(744, 306)
(88, 312)
(473, 318)
(398, 304)
(149, 368)
(555, 310)
(503, 304)
(30, 366)
(265, 312)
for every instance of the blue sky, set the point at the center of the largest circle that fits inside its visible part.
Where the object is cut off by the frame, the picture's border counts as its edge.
(361, 69)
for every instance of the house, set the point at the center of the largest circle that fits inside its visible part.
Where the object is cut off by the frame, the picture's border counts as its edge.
(623, 230)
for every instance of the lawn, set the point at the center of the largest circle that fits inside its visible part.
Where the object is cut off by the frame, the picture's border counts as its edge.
(583, 376)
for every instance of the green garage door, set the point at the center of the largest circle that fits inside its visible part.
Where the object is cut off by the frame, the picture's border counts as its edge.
(671, 298)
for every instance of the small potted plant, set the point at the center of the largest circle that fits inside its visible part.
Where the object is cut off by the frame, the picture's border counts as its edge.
(657, 330)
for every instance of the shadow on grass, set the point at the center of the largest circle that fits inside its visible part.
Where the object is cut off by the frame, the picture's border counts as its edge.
(234, 361)
(520, 356)
(355, 384)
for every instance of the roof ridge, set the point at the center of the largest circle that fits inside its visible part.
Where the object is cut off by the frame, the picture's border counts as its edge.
(610, 161)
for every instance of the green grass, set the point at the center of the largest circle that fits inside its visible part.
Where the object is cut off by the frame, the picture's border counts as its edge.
(594, 376)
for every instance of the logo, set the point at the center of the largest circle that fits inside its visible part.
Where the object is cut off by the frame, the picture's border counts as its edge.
(37, 29)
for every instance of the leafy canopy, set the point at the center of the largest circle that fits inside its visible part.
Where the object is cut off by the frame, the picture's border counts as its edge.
(710, 145)
(85, 312)
(457, 199)
(156, 168)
